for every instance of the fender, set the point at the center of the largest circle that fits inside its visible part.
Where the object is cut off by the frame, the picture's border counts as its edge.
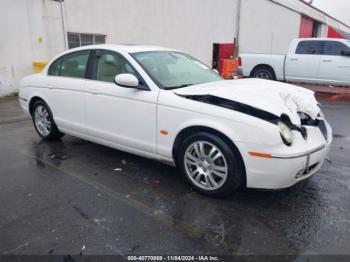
(165, 146)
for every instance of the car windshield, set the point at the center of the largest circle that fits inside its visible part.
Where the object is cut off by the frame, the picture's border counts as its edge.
(171, 70)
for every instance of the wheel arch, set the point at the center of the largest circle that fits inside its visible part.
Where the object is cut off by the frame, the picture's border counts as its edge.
(264, 66)
(32, 101)
(197, 129)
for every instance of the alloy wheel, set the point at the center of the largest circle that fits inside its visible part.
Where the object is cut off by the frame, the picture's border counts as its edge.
(42, 120)
(205, 165)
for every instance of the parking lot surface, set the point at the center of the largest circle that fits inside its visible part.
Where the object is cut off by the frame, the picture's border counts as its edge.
(58, 197)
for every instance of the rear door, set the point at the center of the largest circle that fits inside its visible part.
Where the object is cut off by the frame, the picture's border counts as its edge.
(302, 64)
(334, 66)
(67, 84)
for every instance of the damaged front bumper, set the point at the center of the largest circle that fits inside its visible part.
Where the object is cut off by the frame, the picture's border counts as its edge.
(288, 165)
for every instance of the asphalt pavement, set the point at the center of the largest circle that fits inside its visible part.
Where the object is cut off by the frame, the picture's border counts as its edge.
(73, 196)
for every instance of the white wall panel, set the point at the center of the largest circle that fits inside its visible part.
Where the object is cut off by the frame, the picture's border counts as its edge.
(188, 25)
(267, 27)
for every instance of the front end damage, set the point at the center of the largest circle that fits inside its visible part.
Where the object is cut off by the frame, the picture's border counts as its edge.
(287, 165)
(305, 137)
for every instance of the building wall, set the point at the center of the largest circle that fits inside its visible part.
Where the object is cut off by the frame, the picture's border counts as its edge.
(23, 22)
(267, 27)
(192, 26)
(188, 25)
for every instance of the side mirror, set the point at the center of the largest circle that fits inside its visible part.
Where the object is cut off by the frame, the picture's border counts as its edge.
(345, 53)
(127, 80)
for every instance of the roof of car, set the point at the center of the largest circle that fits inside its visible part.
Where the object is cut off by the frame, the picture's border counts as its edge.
(125, 48)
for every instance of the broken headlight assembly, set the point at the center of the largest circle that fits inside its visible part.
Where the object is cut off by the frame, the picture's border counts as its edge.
(321, 115)
(286, 133)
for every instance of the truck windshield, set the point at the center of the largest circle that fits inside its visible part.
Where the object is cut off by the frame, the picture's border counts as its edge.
(171, 70)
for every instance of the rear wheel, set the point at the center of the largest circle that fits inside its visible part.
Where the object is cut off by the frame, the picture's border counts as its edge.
(263, 73)
(43, 122)
(210, 165)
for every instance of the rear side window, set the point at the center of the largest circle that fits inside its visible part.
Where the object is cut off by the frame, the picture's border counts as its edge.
(334, 48)
(71, 65)
(309, 48)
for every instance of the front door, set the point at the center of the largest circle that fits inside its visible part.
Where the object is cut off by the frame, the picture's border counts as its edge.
(125, 117)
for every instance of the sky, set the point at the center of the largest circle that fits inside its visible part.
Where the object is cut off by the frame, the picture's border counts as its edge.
(339, 9)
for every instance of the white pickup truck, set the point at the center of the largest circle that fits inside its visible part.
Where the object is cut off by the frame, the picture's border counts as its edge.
(314, 60)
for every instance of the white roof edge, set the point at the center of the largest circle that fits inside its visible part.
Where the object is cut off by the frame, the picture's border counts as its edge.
(310, 11)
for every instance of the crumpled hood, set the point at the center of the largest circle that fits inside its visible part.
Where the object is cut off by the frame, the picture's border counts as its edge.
(274, 97)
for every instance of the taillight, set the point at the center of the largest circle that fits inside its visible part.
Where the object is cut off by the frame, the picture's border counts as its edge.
(239, 61)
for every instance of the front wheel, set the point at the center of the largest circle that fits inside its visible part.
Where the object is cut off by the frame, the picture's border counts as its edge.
(43, 122)
(210, 165)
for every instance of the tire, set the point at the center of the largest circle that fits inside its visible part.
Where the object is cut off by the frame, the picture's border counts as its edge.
(43, 122)
(263, 73)
(209, 174)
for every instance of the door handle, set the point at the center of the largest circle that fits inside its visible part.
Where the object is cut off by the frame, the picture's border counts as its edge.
(327, 60)
(294, 59)
(50, 86)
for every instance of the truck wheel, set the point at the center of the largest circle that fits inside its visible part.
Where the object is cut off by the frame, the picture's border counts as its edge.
(263, 73)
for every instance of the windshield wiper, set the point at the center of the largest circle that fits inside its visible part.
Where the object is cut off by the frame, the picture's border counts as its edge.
(180, 86)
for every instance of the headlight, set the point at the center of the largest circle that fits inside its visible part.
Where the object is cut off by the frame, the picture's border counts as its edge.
(286, 134)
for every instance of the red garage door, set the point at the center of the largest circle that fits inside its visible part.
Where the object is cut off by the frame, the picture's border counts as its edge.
(306, 27)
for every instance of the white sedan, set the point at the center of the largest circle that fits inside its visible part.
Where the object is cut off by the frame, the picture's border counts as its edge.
(165, 105)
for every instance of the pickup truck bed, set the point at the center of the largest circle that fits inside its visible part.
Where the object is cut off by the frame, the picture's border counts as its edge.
(252, 62)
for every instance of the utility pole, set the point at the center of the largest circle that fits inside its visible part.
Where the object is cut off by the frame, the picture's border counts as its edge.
(238, 28)
(64, 26)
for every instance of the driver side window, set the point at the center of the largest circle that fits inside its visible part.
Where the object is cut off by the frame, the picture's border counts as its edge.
(108, 64)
